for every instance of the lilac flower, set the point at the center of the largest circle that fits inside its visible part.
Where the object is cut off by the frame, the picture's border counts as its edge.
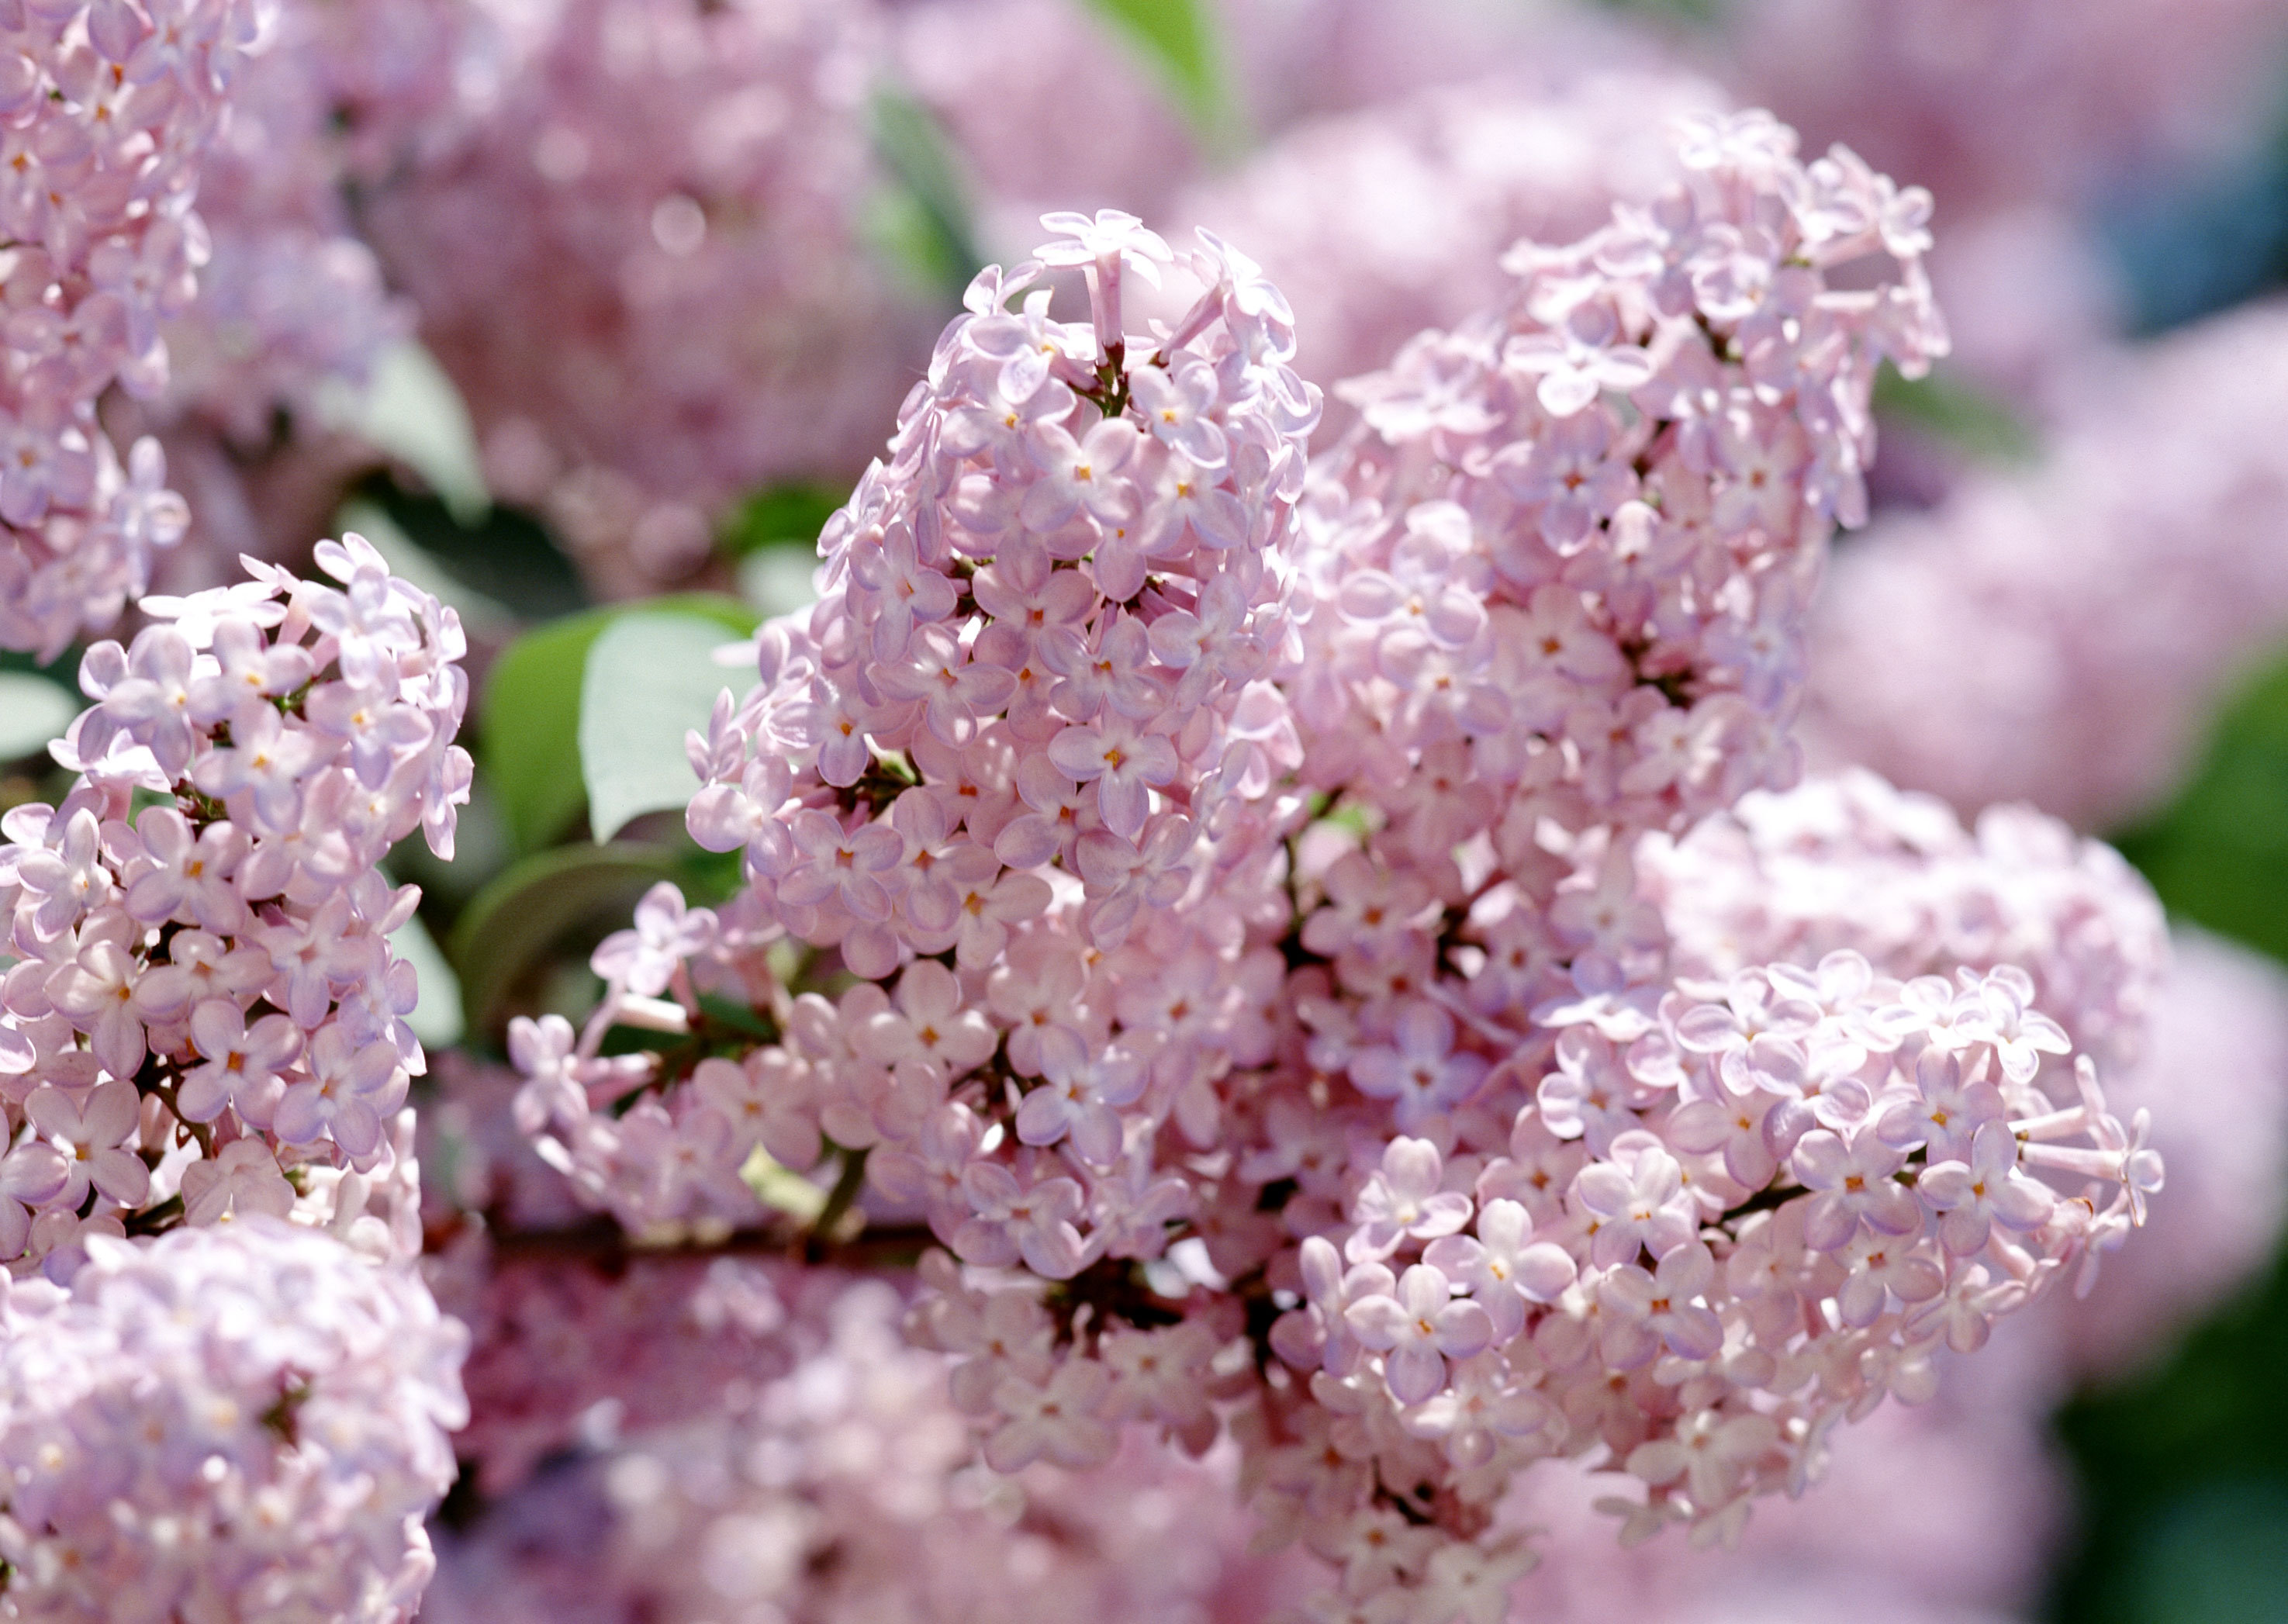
(646, 959)
(1403, 1201)
(1854, 1180)
(1418, 1330)
(1059, 1421)
(1080, 476)
(1987, 1189)
(172, 1354)
(1639, 1204)
(1662, 1308)
(244, 1063)
(242, 1179)
(1419, 1072)
(1012, 1221)
(262, 770)
(189, 875)
(841, 867)
(1084, 1102)
(90, 1135)
(348, 1088)
(1124, 761)
(1503, 1266)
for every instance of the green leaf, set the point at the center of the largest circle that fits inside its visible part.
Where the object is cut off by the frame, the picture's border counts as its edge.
(782, 516)
(651, 677)
(547, 904)
(1179, 38)
(528, 733)
(508, 556)
(922, 221)
(2219, 854)
(777, 580)
(410, 409)
(33, 710)
(2183, 1469)
(1962, 416)
(436, 1020)
(1704, 13)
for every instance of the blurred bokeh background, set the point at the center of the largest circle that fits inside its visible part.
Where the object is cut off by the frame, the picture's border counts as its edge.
(589, 312)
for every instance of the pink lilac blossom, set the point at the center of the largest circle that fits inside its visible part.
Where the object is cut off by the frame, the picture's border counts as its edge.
(1049, 616)
(108, 112)
(640, 253)
(1566, 560)
(1386, 1135)
(2191, 1028)
(1381, 223)
(561, 1345)
(717, 1433)
(293, 299)
(203, 1018)
(2058, 636)
(245, 1422)
(293, 314)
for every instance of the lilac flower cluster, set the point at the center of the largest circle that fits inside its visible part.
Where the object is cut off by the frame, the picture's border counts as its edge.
(1565, 565)
(204, 1018)
(246, 1423)
(107, 111)
(681, 1436)
(1041, 654)
(1255, 990)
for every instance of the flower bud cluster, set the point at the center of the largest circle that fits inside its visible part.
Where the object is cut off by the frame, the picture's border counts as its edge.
(247, 1422)
(106, 110)
(1256, 991)
(205, 1017)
